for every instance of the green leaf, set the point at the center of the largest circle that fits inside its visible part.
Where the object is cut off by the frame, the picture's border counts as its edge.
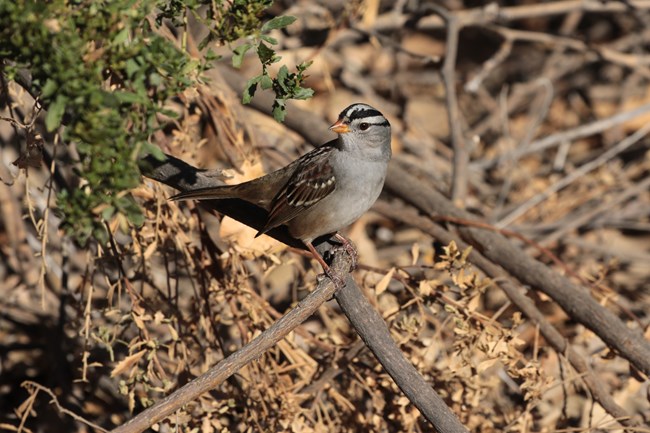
(303, 93)
(99, 233)
(279, 109)
(169, 113)
(153, 150)
(211, 56)
(49, 88)
(251, 87)
(136, 218)
(134, 214)
(269, 39)
(132, 66)
(55, 113)
(304, 65)
(238, 56)
(122, 36)
(266, 82)
(155, 79)
(130, 98)
(152, 120)
(190, 66)
(281, 78)
(278, 23)
(108, 212)
(265, 54)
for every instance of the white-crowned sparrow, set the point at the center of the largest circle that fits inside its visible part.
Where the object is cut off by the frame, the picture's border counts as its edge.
(324, 190)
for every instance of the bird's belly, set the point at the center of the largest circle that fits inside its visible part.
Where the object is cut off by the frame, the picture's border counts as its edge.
(339, 209)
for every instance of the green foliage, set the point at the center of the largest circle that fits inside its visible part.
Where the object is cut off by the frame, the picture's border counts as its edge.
(229, 22)
(73, 51)
(285, 85)
(100, 68)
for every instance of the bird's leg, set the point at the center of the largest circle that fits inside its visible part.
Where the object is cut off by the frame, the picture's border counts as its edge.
(350, 249)
(338, 281)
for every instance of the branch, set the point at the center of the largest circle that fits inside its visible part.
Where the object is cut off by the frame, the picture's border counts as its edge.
(33, 388)
(461, 154)
(374, 332)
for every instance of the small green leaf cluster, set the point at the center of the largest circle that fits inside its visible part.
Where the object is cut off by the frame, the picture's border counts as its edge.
(231, 21)
(285, 85)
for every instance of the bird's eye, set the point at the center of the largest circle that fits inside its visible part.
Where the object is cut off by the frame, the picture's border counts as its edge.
(363, 126)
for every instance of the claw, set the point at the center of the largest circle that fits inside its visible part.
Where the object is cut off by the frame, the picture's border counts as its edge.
(350, 250)
(338, 281)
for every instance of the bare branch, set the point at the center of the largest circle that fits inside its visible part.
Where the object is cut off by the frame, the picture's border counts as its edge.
(461, 153)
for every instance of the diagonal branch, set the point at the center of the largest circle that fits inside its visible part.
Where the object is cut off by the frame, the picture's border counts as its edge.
(374, 332)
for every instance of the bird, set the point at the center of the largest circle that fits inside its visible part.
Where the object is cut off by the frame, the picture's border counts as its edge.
(326, 189)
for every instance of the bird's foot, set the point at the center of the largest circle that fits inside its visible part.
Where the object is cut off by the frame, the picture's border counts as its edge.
(338, 281)
(350, 249)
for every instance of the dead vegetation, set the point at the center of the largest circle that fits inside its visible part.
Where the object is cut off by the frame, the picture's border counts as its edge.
(547, 146)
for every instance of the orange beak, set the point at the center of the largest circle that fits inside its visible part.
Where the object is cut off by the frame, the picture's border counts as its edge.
(340, 127)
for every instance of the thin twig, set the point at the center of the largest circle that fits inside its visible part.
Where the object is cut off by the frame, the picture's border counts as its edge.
(474, 84)
(461, 153)
(38, 387)
(492, 13)
(538, 114)
(638, 63)
(573, 221)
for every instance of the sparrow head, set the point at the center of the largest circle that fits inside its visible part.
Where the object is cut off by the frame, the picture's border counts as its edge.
(359, 117)
(361, 125)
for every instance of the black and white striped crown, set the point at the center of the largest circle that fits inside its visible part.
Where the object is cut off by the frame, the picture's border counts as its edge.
(364, 112)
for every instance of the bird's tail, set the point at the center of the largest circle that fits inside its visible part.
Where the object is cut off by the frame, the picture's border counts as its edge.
(209, 193)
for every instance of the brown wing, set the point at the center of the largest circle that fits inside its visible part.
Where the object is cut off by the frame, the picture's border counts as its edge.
(312, 181)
